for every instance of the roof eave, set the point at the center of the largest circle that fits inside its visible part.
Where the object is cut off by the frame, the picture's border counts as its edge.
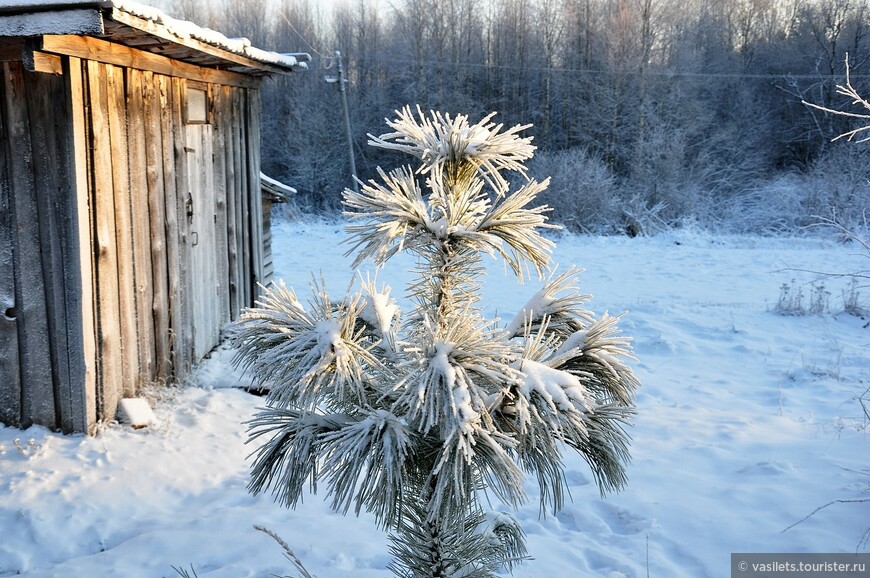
(102, 18)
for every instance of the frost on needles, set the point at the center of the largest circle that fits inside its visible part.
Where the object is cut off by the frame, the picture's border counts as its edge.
(421, 419)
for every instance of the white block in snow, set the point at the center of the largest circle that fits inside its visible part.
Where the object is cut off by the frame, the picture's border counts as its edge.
(136, 412)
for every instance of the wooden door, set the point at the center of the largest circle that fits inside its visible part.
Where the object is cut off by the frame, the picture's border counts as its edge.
(201, 214)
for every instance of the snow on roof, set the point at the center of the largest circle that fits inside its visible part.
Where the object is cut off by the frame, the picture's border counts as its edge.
(278, 190)
(180, 29)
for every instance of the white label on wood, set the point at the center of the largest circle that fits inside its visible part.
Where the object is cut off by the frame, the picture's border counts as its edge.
(197, 106)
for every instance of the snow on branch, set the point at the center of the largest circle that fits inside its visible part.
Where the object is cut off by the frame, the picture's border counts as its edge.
(442, 141)
(558, 303)
(848, 91)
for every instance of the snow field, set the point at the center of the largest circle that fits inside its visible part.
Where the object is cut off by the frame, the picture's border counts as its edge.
(747, 422)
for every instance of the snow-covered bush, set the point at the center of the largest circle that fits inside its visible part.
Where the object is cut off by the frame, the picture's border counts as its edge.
(583, 191)
(421, 420)
(838, 183)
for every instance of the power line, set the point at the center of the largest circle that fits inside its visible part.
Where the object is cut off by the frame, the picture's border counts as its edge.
(305, 40)
(621, 72)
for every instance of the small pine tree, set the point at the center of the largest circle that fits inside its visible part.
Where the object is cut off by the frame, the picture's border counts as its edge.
(416, 421)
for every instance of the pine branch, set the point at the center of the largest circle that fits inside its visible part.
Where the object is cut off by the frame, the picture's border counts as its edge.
(419, 422)
(559, 305)
(444, 143)
(363, 464)
(390, 216)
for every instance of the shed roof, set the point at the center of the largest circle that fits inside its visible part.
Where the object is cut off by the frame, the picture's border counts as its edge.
(143, 27)
(274, 189)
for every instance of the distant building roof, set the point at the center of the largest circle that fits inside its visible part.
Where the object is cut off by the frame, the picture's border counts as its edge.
(145, 28)
(277, 191)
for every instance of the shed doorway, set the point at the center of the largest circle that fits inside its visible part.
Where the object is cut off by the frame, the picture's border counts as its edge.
(207, 290)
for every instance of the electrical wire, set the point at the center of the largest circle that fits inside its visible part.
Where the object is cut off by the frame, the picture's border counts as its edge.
(327, 60)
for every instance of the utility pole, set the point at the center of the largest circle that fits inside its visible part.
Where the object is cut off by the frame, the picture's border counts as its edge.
(341, 88)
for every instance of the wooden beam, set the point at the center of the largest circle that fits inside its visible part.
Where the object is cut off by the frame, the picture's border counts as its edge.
(160, 31)
(75, 21)
(36, 61)
(88, 48)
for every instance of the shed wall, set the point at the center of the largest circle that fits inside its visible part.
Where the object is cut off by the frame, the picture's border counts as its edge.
(102, 187)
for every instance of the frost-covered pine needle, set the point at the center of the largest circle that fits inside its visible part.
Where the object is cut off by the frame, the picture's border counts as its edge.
(420, 419)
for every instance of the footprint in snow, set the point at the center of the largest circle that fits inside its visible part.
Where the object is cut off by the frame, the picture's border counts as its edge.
(767, 468)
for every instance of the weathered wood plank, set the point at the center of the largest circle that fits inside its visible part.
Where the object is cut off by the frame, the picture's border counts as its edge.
(213, 250)
(252, 123)
(173, 207)
(156, 197)
(10, 376)
(199, 279)
(185, 335)
(126, 251)
(51, 127)
(83, 397)
(220, 188)
(268, 261)
(141, 222)
(89, 48)
(230, 148)
(37, 400)
(203, 274)
(244, 204)
(110, 373)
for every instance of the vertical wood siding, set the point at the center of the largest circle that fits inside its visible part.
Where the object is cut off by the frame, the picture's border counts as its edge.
(10, 395)
(108, 292)
(41, 364)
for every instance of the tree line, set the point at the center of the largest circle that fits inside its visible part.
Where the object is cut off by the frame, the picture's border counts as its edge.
(647, 113)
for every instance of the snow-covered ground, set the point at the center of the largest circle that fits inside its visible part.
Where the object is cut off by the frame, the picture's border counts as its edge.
(748, 421)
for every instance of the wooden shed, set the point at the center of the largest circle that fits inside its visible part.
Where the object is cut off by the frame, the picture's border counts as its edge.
(131, 215)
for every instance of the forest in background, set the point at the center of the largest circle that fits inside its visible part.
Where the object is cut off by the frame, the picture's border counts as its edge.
(648, 114)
